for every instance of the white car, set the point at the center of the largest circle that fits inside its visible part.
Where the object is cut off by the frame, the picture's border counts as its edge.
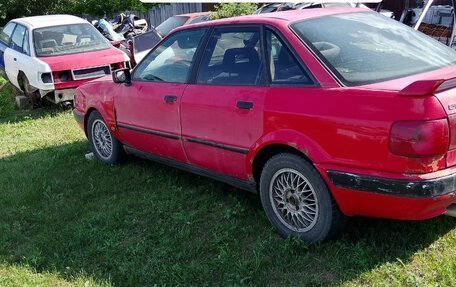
(50, 56)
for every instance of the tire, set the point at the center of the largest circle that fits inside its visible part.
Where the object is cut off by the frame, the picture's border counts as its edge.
(297, 201)
(31, 94)
(102, 142)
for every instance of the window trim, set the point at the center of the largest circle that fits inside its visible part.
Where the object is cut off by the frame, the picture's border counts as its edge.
(314, 82)
(192, 65)
(26, 36)
(262, 82)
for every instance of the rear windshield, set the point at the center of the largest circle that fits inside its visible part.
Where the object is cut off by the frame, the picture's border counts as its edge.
(171, 23)
(363, 48)
(68, 39)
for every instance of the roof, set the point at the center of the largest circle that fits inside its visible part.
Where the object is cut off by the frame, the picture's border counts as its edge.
(49, 20)
(285, 16)
(192, 15)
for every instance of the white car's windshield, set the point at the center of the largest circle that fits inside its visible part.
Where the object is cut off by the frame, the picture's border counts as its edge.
(363, 48)
(68, 39)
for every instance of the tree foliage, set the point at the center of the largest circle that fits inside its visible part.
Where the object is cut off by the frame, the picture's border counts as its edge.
(226, 10)
(10, 9)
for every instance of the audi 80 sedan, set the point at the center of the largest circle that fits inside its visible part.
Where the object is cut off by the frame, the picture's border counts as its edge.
(326, 113)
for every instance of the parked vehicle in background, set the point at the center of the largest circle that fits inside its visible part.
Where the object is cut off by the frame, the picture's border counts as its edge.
(49, 56)
(327, 113)
(142, 44)
(116, 39)
(285, 6)
(435, 18)
(181, 20)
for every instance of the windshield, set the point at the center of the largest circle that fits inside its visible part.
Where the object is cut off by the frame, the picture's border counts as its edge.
(171, 23)
(145, 41)
(68, 39)
(363, 48)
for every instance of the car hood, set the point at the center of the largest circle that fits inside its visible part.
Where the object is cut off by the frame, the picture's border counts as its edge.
(85, 60)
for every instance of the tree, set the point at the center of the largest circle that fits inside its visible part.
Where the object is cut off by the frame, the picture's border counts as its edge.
(226, 10)
(10, 9)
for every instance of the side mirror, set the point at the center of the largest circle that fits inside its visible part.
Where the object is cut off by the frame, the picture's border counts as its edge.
(122, 76)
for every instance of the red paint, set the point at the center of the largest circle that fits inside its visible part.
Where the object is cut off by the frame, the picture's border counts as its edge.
(338, 128)
(70, 62)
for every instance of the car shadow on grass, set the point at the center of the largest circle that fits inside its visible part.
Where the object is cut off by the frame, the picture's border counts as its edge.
(49, 110)
(142, 223)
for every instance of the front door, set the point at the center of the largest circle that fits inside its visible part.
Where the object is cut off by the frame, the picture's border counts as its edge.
(147, 112)
(222, 114)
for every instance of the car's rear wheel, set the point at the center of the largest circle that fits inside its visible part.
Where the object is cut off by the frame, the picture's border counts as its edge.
(102, 142)
(297, 201)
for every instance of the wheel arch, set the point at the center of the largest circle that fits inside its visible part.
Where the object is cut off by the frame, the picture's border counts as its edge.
(284, 141)
(20, 78)
(86, 117)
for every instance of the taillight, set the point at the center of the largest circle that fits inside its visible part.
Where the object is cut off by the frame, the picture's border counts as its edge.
(420, 138)
(452, 120)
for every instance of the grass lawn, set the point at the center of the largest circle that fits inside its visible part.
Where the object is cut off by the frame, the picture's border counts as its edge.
(67, 221)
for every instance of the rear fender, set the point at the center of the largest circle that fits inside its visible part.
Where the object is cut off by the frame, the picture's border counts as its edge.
(299, 141)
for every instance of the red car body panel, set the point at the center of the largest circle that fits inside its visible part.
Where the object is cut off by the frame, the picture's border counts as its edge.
(110, 56)
(337, 128)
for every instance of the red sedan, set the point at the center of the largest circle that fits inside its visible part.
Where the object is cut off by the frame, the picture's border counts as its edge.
(327, 113)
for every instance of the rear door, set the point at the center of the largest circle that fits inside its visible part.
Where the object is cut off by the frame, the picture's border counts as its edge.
(5, 37)
(222, 114)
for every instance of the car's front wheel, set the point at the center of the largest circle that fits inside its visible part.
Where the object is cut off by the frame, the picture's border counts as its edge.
(297, 201)
(102, 142)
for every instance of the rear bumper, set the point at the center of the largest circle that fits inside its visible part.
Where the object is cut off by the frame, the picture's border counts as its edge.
(398, 187)
(389, 197)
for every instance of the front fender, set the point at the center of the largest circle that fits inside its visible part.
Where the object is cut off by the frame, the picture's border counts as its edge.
(95, 96)
(291, 138)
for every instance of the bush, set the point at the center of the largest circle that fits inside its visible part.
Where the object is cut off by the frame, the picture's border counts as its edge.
(226, 10)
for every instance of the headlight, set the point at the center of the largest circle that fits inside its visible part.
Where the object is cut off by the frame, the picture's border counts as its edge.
(46, 78)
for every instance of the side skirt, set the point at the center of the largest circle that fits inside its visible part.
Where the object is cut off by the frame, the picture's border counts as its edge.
(239, 183)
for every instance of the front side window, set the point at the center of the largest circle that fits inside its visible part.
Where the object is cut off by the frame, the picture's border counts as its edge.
(283, 66)
(18, 38)
(6, 33)
(172, 59)
(233, 57)
(68, 39)
(366, 47)
(26, 45)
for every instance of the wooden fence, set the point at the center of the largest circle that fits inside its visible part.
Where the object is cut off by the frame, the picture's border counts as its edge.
(159, 14)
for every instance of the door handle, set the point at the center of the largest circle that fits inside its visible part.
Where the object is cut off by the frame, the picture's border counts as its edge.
(244, 105)
(170, 99)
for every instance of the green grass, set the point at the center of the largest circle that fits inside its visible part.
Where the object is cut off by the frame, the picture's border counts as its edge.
(67, 221)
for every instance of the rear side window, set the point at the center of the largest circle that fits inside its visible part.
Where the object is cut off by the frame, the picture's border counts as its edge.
(232, 57)
(283, 66)
(17, 40)
(5, 34)
(363, 48)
